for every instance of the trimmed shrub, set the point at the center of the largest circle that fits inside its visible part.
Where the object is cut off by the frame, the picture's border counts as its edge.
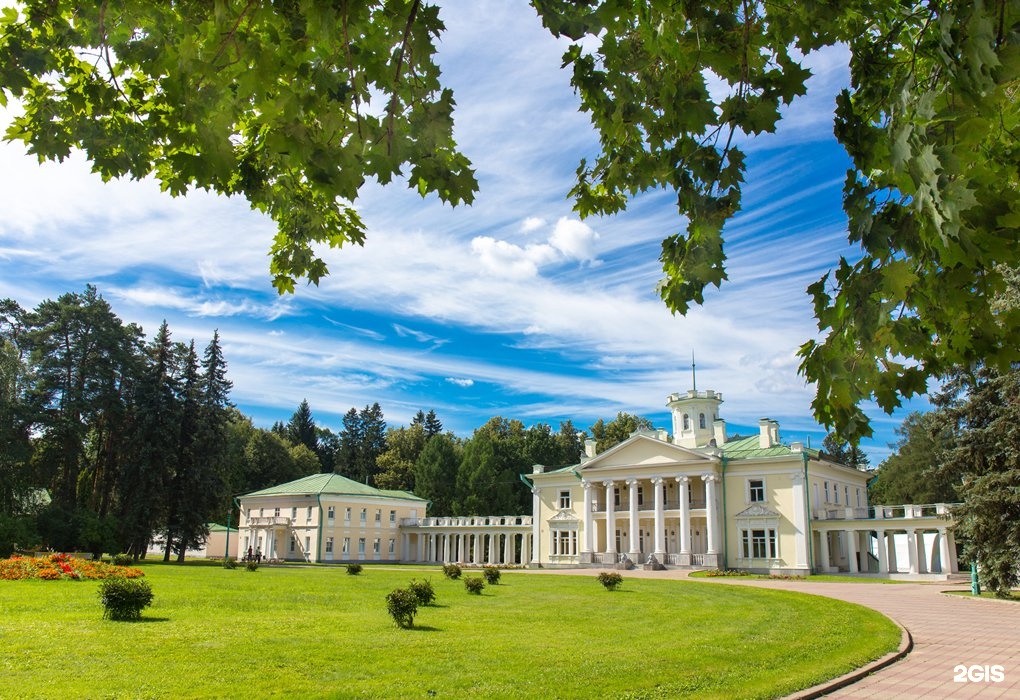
(402, 605)
(124, 598)
(451, 571)
(229, 563)
(474, 584)
(610, 579)
(122, 559)
(423, 591)
(491, 574)
(251, 565)
(353, 569)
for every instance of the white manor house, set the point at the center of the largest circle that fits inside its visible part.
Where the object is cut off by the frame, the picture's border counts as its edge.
(698, 500)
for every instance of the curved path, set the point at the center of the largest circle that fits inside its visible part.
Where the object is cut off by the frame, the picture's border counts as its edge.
(948, 631)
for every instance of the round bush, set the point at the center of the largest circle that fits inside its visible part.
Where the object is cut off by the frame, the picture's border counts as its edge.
(124, 598)
(423, 591)
(353, 569)
(251, 565)
(610, 579)
(122, 559)
(402, 605)
(451, 571)
(491, 574)
(229, 563)
(474, 584)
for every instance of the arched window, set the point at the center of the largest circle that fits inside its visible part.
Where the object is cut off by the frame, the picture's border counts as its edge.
(687, 422)
(701, 421)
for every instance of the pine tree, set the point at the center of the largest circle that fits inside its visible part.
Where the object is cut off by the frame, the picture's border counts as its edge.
(435, 473)
(301, 429)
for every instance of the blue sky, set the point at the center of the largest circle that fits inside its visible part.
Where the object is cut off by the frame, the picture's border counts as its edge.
(510, 307)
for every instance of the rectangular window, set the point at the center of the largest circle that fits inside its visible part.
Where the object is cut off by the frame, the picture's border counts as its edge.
(758, 544)
(616, 497)
(364, 514)
(835, 493)
(564, 542)
(375, 546)
(378, 515)
(826, 491)
(816, 494)
(361, 545)
(756, 490)
(564, 500)
(331, 513)
(329, 545)
(640, 495)
(276, 512)
(347, 545)
(846, 495)
(393, 545)
(308, 514)
(393, 516)
(347, 515)
(858, 498)
(292, 543)
(308, 544)
(293, 513)
(260, 512)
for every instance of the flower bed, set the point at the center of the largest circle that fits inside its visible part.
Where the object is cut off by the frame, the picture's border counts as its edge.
(61, 566)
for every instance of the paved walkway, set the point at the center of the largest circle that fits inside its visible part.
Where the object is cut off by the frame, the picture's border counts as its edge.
(947, 631)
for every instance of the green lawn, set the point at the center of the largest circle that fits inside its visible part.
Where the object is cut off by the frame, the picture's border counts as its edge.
(813, 578)
(318, 632)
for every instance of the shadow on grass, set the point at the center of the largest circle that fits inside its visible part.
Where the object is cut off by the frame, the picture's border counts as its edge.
(423, 628)
(143, 620)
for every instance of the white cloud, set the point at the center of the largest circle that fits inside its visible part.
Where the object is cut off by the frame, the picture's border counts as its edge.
(574, 239)
(509, 259)
(461, 382)
(532, 223)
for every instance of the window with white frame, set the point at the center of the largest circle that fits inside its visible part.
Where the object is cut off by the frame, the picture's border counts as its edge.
(758, 543)
(393, 516)
(392, 546)
(361, 545)
(640, 495)
(276, 512)
(858, 497)
(564, 500)
(846, 495)
(308, 514)
(329, 545)
(364, 515)
(835, 494)
(701, 421)
(293, 542)
(375, 545)
(347, 515)
(347, 545)
(687, 422)
(616, 496)
(331, 512)
(308, 544)
(378, 515)
(826, 491)
(564, 542)
(293, 513)
(755, 490)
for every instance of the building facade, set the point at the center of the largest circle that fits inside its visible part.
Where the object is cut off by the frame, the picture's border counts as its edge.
(702, 499)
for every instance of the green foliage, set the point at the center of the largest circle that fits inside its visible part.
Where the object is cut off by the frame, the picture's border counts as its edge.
(839, 450)
(422, 591)
(122, 559)
(230, 563)
(124, 598)
(911, 473)
(610, 579)
(474, 584)
(491, 574)
(614, 432)
(451, 571)
(402, 606)
(353, 569)
(435, 473)
(251, 565)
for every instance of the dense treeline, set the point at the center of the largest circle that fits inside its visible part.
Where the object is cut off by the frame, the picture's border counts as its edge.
(109, 440)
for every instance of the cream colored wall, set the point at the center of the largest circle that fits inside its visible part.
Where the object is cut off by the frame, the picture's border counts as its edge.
(820, 472)
(779, 494)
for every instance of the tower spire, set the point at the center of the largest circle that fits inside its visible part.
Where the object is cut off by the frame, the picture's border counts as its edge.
(694, 373)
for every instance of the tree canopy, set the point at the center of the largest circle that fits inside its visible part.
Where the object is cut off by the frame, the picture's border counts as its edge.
(296, 105)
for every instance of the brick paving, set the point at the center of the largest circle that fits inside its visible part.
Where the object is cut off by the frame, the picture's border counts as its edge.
(947, 631)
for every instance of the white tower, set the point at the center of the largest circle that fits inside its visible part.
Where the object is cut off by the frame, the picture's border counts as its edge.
(696, 419)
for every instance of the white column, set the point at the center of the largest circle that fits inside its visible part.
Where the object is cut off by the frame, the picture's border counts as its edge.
(660, 519)
(800, 521)
(610, 519)
(533, 545)
(713, 512)
(922, 555)
(536, 519)
(883, 552)
(588, 542)
(891, 540)
(912, 551)
(446, 548)
(945, 561)
(851, 549)
(685, 514)
(823, 553)
(635, 540)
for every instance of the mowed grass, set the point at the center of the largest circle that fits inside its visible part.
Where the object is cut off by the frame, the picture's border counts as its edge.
(318, 632)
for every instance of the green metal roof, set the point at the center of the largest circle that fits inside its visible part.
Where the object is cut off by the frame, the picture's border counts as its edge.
(216, 527)
(748, 448)
(332, 485)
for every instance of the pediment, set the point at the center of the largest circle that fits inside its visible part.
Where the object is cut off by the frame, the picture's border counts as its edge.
(757, 510)
(644, 451)
(564, 516)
